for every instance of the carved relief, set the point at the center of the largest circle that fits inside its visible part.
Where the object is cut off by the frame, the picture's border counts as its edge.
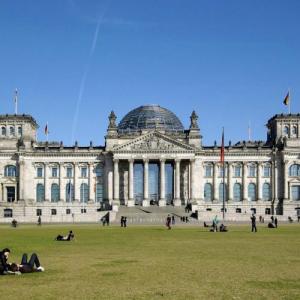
(153, 143)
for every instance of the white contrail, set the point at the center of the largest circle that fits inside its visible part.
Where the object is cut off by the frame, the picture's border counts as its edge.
(84, 75)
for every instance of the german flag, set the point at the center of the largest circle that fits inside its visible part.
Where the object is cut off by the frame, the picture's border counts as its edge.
(286, 99)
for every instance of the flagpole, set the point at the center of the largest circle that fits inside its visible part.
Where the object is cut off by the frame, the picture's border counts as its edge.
(16, 101)
(223, 177)
(290, 101)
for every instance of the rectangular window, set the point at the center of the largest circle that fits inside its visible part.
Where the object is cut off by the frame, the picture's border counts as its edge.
(83, 210)
(39, 172)
(208, 171)
(221, 171)
(20, 132)
(268, 211)
(69, 172)
(84, 172)
(38, 212)
(8, 213)
(238, 210)
(68, 211)
(252, 171)
(237, 171)
(267, 171)
(54, 172)
(53, 212)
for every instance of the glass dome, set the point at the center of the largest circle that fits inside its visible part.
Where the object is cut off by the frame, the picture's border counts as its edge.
(150, 117)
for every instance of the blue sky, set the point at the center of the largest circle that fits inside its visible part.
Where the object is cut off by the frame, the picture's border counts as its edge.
(74, 61)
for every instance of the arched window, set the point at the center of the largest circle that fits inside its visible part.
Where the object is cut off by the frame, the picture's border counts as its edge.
(251, 192)
(12, 130)
(99, 170)
(84, 192)
(294, 130)
(266, 192)
(99, 192)
(40, 192)
(286, 130)
(10, 171)
(208, 192)
(3, 131)
(69, 192)
(54, 192)
(237, 192)
(221, 192)
(294, 170)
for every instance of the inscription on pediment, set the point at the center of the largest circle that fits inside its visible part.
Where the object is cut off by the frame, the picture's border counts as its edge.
(153, 143)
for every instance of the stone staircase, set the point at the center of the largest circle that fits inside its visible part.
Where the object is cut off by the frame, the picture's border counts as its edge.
(153, 215)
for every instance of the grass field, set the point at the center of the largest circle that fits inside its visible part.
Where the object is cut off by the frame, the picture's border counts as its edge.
(153, 263)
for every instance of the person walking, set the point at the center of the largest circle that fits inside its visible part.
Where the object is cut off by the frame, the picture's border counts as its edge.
(253, 223)
(173, 220)
(168, 222)
(276, 222)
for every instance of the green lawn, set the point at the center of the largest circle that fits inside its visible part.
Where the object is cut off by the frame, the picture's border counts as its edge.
(153, 263)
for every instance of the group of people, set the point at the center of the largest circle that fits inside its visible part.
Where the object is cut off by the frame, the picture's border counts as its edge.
(123, 221)
(26, 266)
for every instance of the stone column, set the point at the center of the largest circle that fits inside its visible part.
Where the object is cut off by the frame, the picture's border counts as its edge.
(116, 180)
(162, 200)
(244, 180)
(131, 184)
(229, 182)
(146, 183)
(286, 181)
(116, 201)
(21, 180)
(46, 183)
(92, 193)
(215, 180)
(75, 178)
(177, 201)
(192, 162)
(258, 181)
(61, 185)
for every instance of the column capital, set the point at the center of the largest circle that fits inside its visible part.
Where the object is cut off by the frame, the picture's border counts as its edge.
(192, 160)
(131, 160)
(21, 162)
(90, 163)
(116, 160)
(145, 160)
(162, 160)
(178, 160)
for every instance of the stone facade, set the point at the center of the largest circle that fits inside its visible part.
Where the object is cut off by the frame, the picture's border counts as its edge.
(80, 184)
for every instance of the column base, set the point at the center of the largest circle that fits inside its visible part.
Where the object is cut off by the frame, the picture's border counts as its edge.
(177, 202)
(162, 202)
(115, 205)
(146, 203)
(130, 203)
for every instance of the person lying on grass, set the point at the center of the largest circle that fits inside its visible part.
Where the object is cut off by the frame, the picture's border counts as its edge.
(68, 237)
(4, 265)
(33, 265)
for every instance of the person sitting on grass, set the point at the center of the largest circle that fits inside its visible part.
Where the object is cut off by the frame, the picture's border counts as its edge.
(68, 237)
(33, 265)
(223, 228)
(14, 223)
(4, 265)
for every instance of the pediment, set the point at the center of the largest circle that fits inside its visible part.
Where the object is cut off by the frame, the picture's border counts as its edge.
(154, 142)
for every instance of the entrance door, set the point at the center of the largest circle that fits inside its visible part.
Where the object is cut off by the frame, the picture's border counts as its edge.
(11, 193)
(169, 183)
(153, 183)
(138, 183)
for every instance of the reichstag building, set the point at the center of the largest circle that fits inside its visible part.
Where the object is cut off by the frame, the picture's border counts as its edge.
(149, 159)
